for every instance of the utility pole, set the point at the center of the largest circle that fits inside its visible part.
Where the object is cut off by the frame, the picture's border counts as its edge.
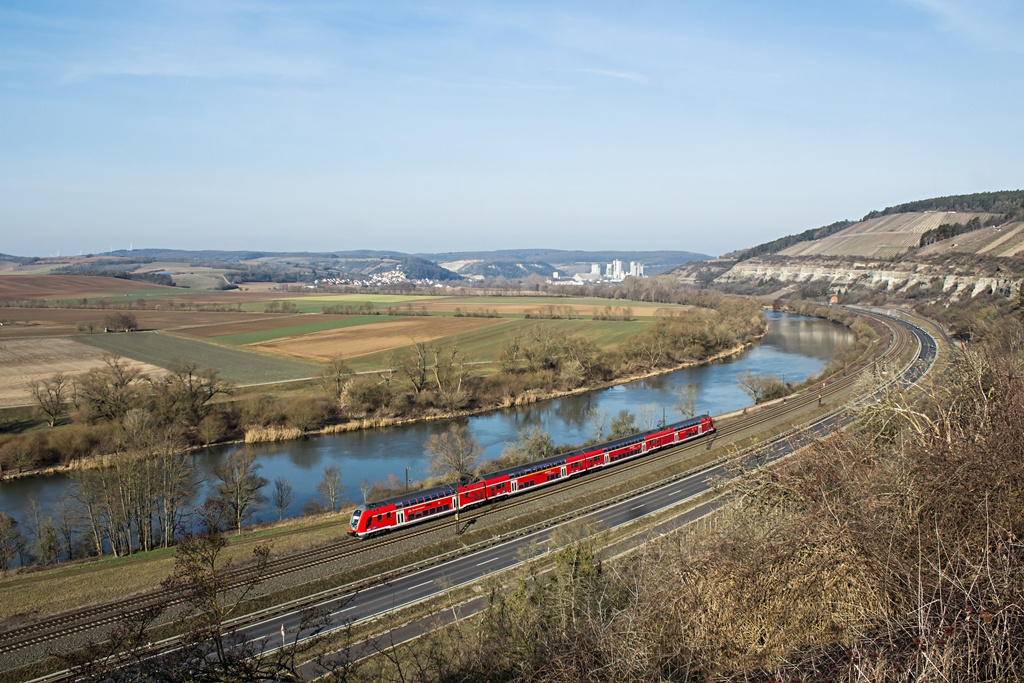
(407, 479)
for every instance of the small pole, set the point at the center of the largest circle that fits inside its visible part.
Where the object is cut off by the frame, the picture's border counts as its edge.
(456, 521)
(406, 478)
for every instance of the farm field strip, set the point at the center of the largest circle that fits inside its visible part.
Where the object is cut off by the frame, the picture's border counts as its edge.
(50, 321)
(481, 345)
(373, 337)
(29, 360)
(164, 350)
(16, 286)
(270, 334)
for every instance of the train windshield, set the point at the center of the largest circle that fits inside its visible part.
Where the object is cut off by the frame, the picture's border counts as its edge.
(355, 518)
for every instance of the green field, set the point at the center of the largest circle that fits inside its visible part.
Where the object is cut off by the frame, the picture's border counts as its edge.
(164, 350)
(482, 344)
(243, 338)
(315, 304)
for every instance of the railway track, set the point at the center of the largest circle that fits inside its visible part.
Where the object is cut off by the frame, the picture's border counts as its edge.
(902, 339)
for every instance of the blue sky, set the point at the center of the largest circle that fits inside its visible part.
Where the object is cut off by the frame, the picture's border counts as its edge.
(470, 125)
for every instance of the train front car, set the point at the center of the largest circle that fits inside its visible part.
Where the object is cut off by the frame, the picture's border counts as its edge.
(353, 525)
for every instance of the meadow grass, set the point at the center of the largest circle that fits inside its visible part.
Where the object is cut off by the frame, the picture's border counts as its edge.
(236, 365)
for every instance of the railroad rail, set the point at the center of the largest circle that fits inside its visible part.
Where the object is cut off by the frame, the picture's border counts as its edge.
(903, 336)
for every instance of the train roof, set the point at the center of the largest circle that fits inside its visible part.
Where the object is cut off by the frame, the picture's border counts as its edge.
(448, 489)
(444, 489)
(561, 457)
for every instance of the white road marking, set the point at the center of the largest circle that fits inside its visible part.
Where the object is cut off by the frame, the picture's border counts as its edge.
(637, 507)
(486, 561)
(420, 584)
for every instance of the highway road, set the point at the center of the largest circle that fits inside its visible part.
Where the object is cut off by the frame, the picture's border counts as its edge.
(427, 583)
(380, 599)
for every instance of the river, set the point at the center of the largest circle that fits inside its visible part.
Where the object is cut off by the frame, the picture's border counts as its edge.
(795, 347)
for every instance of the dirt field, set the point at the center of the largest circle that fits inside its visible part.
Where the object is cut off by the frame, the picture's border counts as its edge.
(27, 360)
(22, 322)
(357, 341)
(22, 287)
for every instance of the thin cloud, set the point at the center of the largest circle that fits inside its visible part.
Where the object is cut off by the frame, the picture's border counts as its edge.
(994, 25)
(622, 75)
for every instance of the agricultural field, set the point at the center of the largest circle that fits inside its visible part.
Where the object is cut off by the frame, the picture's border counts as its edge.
(322, 323)
(22, 322)
(24, 287)
(504, 305)
(482, 344)
(164, 350)
(360, 340)
(29, 360)
(314, 303)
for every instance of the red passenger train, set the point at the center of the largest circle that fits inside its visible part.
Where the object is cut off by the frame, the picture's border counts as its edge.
(417, 506)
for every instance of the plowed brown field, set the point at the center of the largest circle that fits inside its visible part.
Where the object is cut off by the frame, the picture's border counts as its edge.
(57, 321)
(27, 360)
(349, 342)
(20, 287)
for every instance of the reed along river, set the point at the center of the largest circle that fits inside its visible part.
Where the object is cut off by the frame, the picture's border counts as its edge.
(795, 347)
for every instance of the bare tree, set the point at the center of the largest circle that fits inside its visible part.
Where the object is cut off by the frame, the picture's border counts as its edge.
(450, 370)
(12, 542)
(110, 392)
(533, 444)
(366, 488)
(282, 496)
(184, 394)
(453, 453)
(330, 486)
(333, 378)
(239, 486)
(52, 396)
(413, 365)
(761, 387)
(686, 400)
(648, 415)
(121, 322)
(598, 419)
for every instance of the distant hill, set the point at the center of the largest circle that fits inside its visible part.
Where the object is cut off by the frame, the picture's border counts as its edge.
(510, 270)
(568, 261)
(894, 230)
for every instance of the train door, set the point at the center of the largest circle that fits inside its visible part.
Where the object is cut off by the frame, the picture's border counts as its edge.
(401, 516)
(563, 471)
(515, 485)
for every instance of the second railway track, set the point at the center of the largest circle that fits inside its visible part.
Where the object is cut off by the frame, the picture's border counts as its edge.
(902, 338)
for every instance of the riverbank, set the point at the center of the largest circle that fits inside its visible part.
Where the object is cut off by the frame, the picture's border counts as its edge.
(282, 434)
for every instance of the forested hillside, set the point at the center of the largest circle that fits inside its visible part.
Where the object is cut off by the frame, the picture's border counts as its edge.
(1005, 202)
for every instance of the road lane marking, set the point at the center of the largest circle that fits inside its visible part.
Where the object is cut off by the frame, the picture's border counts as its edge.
(490, 560)
(420, 584)
(636, 507)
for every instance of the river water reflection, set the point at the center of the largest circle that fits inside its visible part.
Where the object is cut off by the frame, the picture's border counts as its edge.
(795, 347)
